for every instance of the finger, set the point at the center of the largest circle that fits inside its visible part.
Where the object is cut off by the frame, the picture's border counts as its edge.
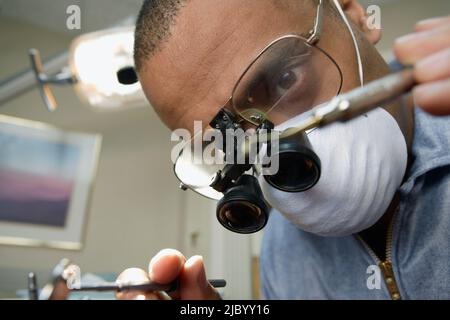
(433, 68)
(411, 48)
(432, 23)
(135, 276)
(193, 282)
(60, 291)
(166, 266)
(434, 97)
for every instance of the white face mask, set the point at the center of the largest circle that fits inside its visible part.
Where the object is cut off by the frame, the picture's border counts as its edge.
(363, 164)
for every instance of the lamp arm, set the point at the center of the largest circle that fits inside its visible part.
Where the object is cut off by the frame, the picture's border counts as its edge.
(62, 78)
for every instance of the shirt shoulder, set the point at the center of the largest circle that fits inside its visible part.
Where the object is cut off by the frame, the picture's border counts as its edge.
(431, 146)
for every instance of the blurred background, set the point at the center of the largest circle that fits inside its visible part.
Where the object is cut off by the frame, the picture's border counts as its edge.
(136, 207)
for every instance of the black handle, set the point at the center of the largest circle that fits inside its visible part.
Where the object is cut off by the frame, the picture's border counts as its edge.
(150, 286)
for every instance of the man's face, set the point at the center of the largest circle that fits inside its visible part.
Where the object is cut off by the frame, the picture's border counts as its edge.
(212, 42)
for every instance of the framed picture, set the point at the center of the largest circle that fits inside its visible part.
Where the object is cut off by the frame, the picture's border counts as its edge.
(46, 179)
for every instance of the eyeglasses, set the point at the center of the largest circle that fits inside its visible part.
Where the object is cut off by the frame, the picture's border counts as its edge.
(288, 77)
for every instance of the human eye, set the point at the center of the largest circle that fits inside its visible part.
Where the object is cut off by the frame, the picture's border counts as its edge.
(275, 78)
(290, 77)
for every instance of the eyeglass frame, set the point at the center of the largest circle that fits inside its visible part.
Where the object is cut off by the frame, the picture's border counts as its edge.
(311, 38)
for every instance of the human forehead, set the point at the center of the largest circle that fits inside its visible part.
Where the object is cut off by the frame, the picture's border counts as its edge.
(211, 43)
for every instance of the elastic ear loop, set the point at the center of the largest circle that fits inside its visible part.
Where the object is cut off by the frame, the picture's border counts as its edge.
(355, 43)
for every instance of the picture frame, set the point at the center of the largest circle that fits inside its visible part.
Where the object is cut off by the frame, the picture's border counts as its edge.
(46, 180)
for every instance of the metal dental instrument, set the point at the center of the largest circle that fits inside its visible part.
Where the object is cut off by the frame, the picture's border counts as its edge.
(66, 277)
(350, 105)
(150, 286)
(33, 293)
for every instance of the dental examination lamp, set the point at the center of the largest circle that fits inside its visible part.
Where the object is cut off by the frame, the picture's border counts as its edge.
(100, 68)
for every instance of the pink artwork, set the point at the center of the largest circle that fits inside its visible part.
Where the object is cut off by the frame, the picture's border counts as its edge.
(36, 180)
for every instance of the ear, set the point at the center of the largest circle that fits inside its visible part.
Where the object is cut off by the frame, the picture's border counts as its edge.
(358, 15)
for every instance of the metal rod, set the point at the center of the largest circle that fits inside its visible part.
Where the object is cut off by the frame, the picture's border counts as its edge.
(24, 81)
(216, 283)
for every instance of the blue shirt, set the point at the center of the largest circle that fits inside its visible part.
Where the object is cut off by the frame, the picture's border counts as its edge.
(299, 265)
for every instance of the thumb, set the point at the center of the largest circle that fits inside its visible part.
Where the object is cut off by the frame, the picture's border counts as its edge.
(193, 282)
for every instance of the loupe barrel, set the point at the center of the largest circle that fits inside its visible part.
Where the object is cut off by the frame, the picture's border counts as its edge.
(299, 167)
(242, 208)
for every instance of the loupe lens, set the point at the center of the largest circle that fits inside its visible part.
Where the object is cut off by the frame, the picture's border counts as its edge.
(240, 216)
(299, 166)
(298, 172)
(242, 208)
(192, 171)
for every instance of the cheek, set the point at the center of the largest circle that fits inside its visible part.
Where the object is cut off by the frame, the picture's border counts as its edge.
(338, 43)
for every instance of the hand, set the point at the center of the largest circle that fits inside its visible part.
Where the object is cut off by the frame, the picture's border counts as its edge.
(428, 49)
(164, 268)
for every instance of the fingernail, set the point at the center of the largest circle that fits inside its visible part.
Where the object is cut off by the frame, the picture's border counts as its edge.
(430, 62)
(159, 254)
(427, 91)
(431, 97)
(193, 260)
(432, 67)
(201, 276)
(132, 275)
(152, 262)
(414, 38)
(407, 38)
(430, 21)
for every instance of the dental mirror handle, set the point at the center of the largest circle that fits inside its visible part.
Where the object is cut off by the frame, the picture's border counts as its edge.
(358, 101)
(150, 286)
(361, 100)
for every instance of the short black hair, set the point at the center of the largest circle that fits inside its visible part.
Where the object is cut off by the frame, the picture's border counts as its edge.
(153, 27)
